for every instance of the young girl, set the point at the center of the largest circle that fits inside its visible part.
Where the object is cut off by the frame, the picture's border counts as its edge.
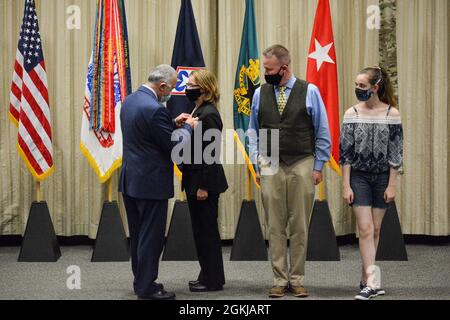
(371, 149)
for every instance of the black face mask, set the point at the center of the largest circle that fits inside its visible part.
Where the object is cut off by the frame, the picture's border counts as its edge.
(363, 95)
(193, 94)
(274, 79)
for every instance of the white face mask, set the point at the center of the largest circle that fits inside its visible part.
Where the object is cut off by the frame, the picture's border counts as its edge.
(166, 98)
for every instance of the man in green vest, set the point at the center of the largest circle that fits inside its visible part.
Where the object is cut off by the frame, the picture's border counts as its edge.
(293, 110)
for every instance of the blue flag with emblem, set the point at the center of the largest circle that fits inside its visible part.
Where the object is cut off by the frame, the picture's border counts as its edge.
(187, 57)
(247, 80)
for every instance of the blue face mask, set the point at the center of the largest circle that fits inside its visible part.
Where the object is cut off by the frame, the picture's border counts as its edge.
(363, 95)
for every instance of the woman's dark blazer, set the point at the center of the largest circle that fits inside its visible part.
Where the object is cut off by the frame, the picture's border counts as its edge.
(209, 177)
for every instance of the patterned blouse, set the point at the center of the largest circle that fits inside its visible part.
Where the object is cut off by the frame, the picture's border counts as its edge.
(371, 144)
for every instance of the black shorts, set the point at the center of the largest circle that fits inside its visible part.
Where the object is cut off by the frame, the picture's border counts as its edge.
(368, 189)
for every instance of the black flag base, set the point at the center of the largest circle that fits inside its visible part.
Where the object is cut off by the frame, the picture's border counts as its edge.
(111, 243)
(249, 243)
(322, 243)
(180, 245)
(392, 245)
(39, 242)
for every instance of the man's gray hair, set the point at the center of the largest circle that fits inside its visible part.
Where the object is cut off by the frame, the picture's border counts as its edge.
(162, 73)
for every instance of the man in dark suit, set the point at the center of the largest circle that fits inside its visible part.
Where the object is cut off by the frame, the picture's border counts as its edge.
(146, 178)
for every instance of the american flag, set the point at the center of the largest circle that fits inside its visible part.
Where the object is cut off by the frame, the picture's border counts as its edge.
(29, 107)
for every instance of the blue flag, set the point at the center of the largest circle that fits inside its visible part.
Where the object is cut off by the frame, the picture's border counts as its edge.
(187, 57)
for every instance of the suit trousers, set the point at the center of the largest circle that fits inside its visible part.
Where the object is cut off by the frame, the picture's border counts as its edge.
(205, 228)
(147, 224)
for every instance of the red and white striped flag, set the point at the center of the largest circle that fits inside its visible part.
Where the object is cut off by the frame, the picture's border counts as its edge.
(29, 107)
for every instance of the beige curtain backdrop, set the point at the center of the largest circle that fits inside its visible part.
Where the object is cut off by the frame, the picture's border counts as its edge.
(423, 64)
(73, 193)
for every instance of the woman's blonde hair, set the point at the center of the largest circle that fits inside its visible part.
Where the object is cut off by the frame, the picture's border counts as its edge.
(207, 81)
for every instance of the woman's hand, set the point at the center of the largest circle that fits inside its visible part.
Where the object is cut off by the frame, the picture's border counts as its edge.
(192, 122)
(348, 195)
(389, 194)
(202, 194)
(181, 119)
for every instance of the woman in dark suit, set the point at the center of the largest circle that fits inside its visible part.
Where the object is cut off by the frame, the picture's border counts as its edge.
(204, 180)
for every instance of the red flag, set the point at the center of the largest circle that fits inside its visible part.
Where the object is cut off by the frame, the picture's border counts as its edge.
(322, 72)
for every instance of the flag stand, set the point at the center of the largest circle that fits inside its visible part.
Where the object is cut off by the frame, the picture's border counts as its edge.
(322, 243)
(180, 245)
(111, 243)
(392, 245)
(249, 243)
(39, 243)
(187, 56)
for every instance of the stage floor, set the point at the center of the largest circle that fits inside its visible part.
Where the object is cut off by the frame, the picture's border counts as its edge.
(425, 276)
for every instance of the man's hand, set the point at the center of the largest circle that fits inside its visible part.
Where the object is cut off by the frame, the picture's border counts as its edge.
(181, 119)
(192, 122)
(258, 178)
(317, 177)
(202, 194)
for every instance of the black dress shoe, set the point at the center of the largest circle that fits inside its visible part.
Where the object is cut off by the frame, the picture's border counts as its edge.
(202, 288)
(159, 295)
(159, 285)
(193, 283)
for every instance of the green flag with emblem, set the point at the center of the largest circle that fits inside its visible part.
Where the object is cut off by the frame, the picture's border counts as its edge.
(247, 80)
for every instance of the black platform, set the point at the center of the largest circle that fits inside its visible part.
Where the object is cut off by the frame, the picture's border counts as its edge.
(249, 243)
(111, 243)
(392, 245)
(322, 242)
(39, 242)
(180, 245)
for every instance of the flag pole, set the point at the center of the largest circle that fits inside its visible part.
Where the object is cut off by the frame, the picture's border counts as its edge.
(322, 191)
(109, 186)
(181, 195)
(38, 191)
(249, 185)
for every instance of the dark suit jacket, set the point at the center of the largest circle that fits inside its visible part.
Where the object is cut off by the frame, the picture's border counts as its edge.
(147, 168)
(210, 177)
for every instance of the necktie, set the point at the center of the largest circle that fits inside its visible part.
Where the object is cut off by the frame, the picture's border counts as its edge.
(282, 100)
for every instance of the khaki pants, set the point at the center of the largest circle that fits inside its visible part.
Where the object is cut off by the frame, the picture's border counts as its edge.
(288, 198)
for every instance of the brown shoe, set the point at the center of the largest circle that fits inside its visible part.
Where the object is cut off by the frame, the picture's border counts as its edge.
(277, 292)
(299, 292)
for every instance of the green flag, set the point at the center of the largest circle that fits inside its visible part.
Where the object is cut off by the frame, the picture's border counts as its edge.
(247, 78)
